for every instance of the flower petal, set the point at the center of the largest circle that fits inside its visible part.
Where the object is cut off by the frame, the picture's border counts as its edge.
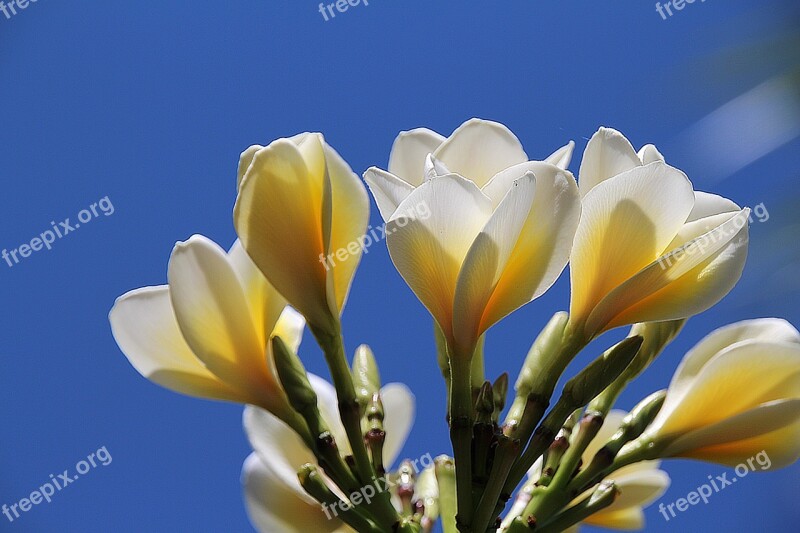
(725, 387)
(687, 281)
(479, 149)
(650, 154)
(409, 151)
(144, 326)
(639, 489)
(706, 205)
(761, 329)
(349, 217)
(278, 216)
(388, 190)
(215, 319)
(266, 304)
(245, 160)
(563, 156)
(428, 252)
(607, 154)
(631, 519)
(487, 259)
(278, 447)
(275, 507)
(399, 406)
(624, 227)
(772, 428)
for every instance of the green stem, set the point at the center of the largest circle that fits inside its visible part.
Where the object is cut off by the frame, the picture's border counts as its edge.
(350, 412)
(461, 421)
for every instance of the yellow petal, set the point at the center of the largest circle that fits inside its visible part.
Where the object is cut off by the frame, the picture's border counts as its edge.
(479, 149)
(738, 379)
(631, 519)
(429, 251)
(409, 151)
(607, 154)
(278, 217)
(487, 258)
(214, 317)
(289, 328)
(761, 329)
(688, 280)
(348, 224)
(772, 428)
(266, 304)
(144, 326)
(624, 227)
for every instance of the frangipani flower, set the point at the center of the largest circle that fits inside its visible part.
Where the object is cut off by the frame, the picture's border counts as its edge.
(735, 394)
(648, 247)
(206, 334)
(478, 230)
(275, 500)
(301, 214)
(640, 484)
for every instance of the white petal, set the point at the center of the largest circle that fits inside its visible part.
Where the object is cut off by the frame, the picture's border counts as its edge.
(388, 190)
(290, 328)
(639, 489)
(650, 154)
(434, 168)
(479, 149)
(563, 156)
(399, 406)
(279, 448)
(274, 507)
(144, 326)
(409, 151)
(245, 159)
(608, 154)
(706, 205)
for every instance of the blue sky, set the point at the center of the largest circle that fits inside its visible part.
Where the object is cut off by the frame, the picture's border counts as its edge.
(149, 104)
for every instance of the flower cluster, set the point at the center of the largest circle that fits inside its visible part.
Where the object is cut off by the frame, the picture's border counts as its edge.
(497, 230)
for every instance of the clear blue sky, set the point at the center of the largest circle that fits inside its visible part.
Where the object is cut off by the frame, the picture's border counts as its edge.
(150, 103)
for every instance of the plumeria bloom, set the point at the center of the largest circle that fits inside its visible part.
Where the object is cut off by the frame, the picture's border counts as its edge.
(275, 500)
(301, 214)
(735, 394)
(648, 247)
(475, 228)
(206, 333)
(640, 484)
